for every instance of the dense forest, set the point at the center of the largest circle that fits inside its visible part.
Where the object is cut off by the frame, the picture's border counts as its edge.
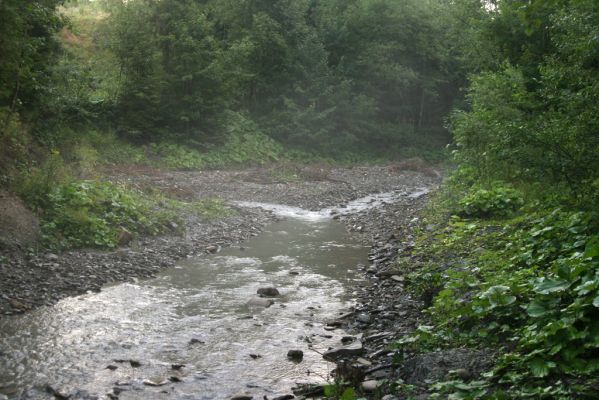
(322, 77)
(504, 94)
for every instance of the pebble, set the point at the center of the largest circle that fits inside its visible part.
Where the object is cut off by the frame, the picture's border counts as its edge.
(364, 318)
(213, 249)
(295, 355)
(260, 302)
(371, 385)
(363, 361)
(348, 339)
(353, 349)
(268, 292)
(150, 382)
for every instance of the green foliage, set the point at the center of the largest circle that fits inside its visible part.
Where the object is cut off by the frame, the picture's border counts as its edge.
(313, 76)
(28, 48)
(498, 200)
(533, 117)
(208, 208)
(35, 185)
(177, 156)
(92, 214)
(528, 285)
(13, 145)
(245, 143)
(339, 392)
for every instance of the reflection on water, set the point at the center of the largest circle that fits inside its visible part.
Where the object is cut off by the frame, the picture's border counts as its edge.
(196, 315)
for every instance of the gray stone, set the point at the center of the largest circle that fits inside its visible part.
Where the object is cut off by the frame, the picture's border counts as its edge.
(150, 382)
(363, 317)
(268, 292)
(260, 302)
(363, 361)
(460, 373)
(347, 339)
(285, 397)
(213, 249)
(352, 349)
(295, 355)
(371, 385)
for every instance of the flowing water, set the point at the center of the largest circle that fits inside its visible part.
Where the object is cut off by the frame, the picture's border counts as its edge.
(196, 315)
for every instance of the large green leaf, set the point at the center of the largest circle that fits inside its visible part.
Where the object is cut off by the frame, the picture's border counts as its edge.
(548, 285)
(499, 296)
(536, 309)
(592, 248)
(348, 394)
(539, 367)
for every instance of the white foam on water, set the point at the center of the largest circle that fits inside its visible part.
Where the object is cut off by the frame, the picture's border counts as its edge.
(363, 203)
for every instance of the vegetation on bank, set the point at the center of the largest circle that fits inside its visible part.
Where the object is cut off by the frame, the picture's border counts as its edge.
(92, 213)
(509, 253)
(520, 280)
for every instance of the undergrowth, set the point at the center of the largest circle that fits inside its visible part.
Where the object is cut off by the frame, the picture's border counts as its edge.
(521, 279)
(90, 213)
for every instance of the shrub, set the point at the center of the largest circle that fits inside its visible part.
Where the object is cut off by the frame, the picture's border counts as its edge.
(499, 200)
(90, 213)
(245, 143)
(35, 185)
(176, 156)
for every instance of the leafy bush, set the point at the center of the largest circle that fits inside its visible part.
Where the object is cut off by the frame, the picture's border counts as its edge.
(176, 156)
(499, 200)
(528, 286)
(245, 143)
(13, 145)
(35, 185)
(89, 213)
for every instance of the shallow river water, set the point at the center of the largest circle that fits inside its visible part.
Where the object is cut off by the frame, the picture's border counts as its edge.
(194, 315)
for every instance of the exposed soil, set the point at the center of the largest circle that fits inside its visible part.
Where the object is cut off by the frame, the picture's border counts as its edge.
(18, 225)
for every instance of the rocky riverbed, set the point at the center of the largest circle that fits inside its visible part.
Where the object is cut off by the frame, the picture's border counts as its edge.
(383, 313)
(386, 312)
(35, 278)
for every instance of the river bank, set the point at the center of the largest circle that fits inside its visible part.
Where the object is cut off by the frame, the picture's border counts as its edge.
(38, 278)
(44, 278)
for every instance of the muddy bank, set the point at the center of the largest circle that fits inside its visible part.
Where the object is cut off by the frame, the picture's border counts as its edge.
(30, 280)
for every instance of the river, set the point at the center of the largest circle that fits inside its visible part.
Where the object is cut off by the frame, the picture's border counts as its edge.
(189, 333)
